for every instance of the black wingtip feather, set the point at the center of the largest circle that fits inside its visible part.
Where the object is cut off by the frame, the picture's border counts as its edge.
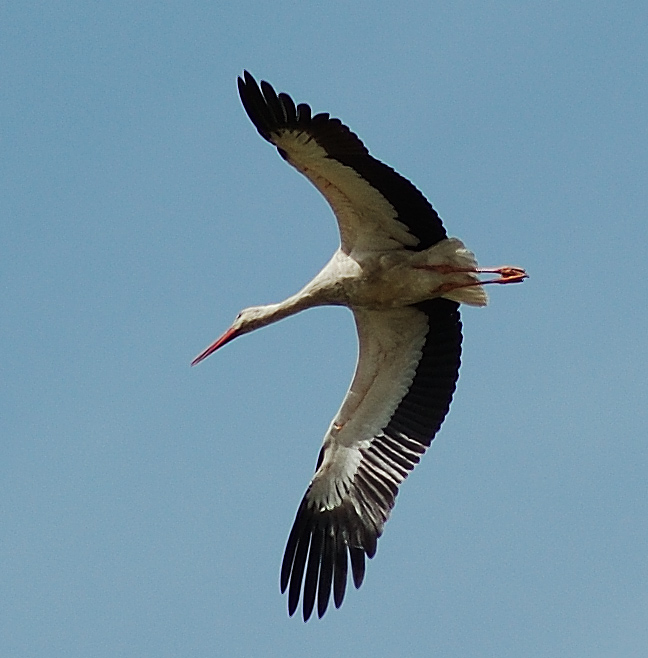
(312, 572)
(340, 575)
(274, 104)
(298, 573)
(357, 565)
(291, 549)
(255, 105)
(289, 108)
(303, 113)
(326, 570)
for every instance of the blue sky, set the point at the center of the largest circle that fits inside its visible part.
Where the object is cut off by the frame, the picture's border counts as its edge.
(144, 504)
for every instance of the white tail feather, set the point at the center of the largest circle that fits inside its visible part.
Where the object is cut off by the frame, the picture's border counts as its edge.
(472, 296)
(453, 252)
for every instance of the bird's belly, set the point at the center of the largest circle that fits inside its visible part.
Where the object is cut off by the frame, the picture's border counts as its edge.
(393, 288)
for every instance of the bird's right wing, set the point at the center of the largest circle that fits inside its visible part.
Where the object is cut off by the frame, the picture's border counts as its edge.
(408, 365)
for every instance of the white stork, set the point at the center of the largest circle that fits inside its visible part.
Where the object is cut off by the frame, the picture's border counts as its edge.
(403, 278)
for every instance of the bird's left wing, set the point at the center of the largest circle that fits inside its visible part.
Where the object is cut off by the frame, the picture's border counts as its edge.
(408, 365)
(376, 208)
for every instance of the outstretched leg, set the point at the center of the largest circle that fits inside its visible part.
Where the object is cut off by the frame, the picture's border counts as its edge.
(508, 273)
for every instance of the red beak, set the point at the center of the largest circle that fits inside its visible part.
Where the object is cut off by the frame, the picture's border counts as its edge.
(229, 335)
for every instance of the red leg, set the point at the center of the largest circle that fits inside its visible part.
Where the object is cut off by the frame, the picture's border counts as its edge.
(508, 273)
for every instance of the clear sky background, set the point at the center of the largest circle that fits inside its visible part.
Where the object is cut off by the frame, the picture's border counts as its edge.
(145, 504)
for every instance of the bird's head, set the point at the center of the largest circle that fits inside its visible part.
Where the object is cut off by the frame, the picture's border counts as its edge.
(247, 320)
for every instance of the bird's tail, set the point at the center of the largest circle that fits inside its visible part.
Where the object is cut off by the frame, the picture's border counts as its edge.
(469, 290)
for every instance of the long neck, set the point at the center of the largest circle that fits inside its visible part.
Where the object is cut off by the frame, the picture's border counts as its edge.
(323, 289)
(294, 304)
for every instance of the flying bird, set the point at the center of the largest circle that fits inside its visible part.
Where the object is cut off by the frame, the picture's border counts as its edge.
(403, 279)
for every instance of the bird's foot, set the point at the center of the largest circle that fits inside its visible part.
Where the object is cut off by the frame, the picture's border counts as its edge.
(508, 274)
